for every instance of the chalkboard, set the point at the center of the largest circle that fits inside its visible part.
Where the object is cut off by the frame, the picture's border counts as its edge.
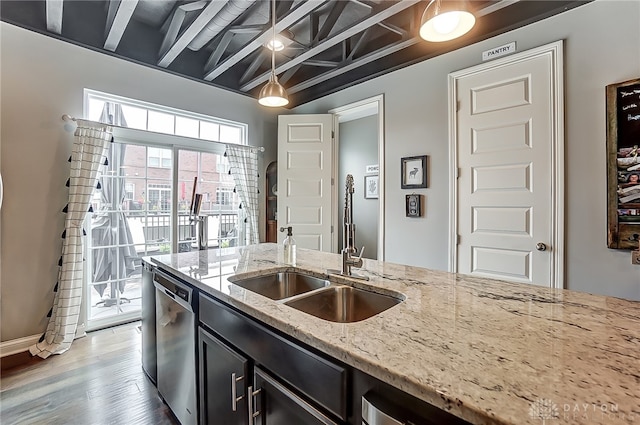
(623, 164)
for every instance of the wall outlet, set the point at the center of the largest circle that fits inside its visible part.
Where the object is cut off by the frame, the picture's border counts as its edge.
(635, 257)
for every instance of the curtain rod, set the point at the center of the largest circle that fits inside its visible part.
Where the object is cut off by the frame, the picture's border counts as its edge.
(69, 118)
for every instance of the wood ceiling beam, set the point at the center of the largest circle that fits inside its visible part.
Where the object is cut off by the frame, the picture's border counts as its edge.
(400, 31)
(254, 66)
(177, 19)
(336, 39)
(118, 17)
(190, 33)
(219, 51)
(366, 35)
(348, 65)
(284, 78)
(294, 16)
(325, 64)
(54, 16)
(330, 22)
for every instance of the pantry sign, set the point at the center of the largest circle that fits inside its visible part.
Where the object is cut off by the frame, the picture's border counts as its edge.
(496, 52)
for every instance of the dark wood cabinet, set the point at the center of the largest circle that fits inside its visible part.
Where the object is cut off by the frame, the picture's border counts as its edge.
(288, 382)
(275, 404)
(223, 382)
(271, 203)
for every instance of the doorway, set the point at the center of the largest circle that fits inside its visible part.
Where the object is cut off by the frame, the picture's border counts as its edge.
(359, 151)
(507, 153)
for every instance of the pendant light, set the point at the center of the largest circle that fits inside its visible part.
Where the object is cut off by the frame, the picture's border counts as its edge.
(273, 94)
(444, 21)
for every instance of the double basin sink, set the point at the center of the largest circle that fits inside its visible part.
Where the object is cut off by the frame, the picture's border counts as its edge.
(319, 297)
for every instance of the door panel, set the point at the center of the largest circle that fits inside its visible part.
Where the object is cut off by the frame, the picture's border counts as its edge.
(305, 146)
(217, 364)
(278, 405)
(505, 139)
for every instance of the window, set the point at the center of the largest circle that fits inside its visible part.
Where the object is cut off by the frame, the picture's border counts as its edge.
(162, 119)
(223, 196)
(129, 191)
(159, 197)
(134, 214)
(160, 158)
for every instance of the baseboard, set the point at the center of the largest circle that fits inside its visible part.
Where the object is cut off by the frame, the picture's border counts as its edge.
(15, 346)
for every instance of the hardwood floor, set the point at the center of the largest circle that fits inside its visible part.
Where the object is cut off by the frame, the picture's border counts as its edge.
(98, 381)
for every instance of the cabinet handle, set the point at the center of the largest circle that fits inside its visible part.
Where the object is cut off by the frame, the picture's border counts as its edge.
(251, 394)
(234, 399)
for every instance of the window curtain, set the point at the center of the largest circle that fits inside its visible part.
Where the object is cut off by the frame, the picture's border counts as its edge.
(244, 169)
(90, 147)
(109, 226)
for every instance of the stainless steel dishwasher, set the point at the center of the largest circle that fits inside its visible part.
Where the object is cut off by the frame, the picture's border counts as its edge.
(148, 321)
(176, 346)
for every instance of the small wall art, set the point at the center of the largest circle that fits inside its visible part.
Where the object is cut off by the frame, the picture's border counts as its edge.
(413, 205)
(414, 172)
(371, 188)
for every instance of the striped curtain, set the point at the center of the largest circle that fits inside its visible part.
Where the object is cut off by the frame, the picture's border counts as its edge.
(244, 169)
(90, 146)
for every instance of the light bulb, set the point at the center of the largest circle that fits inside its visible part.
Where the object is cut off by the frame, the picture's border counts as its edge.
(446, 22)
(275, 44)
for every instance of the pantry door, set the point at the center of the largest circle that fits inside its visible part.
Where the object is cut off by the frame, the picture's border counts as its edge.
(508, 151)
(305, 179)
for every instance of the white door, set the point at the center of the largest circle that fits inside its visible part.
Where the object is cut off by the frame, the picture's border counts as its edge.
(509, 150)
(305, 171)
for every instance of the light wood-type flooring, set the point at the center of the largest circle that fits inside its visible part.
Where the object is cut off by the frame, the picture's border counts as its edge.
(98, 381)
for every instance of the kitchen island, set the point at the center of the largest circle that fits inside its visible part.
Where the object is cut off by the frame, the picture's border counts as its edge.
(486, 351)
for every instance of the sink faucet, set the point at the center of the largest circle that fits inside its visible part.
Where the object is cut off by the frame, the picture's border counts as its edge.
(349, 235)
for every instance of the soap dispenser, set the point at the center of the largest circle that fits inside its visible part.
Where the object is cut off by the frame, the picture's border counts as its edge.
(289, 246)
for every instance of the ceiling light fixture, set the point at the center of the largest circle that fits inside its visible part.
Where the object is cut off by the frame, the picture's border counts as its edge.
(444, 21)
(275, 44)
(273, 94)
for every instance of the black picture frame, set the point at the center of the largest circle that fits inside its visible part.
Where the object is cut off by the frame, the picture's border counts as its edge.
(413, 171)
(413, 205)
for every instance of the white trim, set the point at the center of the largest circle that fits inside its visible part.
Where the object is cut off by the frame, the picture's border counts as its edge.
(18, 345)
(555, 50)
(361, 109)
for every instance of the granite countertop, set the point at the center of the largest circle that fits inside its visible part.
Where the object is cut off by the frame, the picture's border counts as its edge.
(487, 351)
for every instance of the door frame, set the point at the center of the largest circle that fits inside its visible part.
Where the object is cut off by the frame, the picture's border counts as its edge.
(349, 112)
(555, 51)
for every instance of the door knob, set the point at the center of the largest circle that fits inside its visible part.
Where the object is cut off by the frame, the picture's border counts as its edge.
(541, 247)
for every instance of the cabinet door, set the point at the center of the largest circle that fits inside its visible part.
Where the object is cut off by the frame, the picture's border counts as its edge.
(274, 404)
(223, 379)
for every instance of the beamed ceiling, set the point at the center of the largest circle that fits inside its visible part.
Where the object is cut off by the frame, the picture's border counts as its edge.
(331, 44)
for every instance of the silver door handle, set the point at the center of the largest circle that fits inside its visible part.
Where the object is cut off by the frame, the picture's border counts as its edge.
(234, 398)
(541, 247)
(251, 394)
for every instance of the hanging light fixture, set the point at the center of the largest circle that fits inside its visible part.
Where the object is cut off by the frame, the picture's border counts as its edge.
(273, 94)
(444, 21)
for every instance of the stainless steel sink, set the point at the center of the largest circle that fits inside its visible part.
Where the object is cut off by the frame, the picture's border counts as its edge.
(282, 285)
(343, 304)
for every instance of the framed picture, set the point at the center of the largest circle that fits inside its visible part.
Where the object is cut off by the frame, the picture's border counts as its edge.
(414, 172)
(623, 164)
(413, 205)
(371, 189)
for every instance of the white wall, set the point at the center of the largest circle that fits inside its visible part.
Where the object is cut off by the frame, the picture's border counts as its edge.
(602, 46)
(43, 78)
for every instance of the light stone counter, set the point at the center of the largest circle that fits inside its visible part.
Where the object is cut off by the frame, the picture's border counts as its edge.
(487, 351)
